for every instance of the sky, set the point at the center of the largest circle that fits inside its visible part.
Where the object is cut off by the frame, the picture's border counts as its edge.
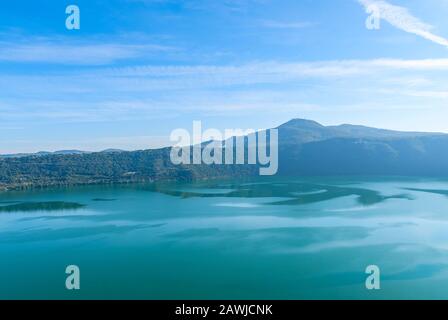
(138, 69)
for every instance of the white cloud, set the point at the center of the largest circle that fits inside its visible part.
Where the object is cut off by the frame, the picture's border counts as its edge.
(267, 72)
(160, 93)
(73, 53)
(362, 90)
(421, 64)
(150, 80)
(401, 18)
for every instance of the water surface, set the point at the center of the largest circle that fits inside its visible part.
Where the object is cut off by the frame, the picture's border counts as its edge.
(261, 239)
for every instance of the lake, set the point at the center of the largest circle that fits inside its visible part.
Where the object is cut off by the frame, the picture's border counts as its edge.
(295, 238)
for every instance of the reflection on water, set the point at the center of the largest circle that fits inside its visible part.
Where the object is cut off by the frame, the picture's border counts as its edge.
(443, 192)
(301, 193)
(66, 233)
(260, 239)
(40, 206)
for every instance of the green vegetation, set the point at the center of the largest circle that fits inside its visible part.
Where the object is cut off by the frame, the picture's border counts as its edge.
(305, 148)
(105, 168)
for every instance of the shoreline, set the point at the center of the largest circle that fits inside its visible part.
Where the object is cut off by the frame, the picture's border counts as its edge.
(315, 178)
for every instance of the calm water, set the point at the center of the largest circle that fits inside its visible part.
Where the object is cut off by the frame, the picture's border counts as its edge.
(261, 239)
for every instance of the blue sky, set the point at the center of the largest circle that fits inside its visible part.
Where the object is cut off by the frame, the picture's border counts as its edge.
(138, 69)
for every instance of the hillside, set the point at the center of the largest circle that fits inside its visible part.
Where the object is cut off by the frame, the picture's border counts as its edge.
(305, 148)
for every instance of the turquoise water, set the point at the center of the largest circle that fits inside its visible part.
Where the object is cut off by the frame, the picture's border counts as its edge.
(261, 239)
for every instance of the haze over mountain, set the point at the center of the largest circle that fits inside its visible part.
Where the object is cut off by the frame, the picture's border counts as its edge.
(302, 131)
(46, 153)
(305, 148)
(308, 148)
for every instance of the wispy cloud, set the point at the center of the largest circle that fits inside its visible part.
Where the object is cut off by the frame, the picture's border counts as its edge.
(118, 94)
(73, 52)
(401, 18)
(269, 72)
(148, 79)
(160, 95)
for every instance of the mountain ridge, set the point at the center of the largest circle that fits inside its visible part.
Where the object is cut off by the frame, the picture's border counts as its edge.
(305, 148)
(344, 130)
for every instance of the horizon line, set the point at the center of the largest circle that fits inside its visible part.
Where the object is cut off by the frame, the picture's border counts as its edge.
(112, 149)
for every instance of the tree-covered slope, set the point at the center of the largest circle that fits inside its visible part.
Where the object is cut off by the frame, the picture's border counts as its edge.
(305, 148)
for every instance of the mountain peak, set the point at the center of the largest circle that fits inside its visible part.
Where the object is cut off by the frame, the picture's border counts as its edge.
(302, 123)
(112, 151)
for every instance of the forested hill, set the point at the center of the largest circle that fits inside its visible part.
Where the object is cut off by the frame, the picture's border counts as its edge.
(305, 148)
(106, 167)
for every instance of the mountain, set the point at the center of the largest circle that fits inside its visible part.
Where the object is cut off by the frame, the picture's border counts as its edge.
(302, 131)
(112, 151)
(46, 153)
(69, 152)
(305, 148)
(308, 148)
(41, 153)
